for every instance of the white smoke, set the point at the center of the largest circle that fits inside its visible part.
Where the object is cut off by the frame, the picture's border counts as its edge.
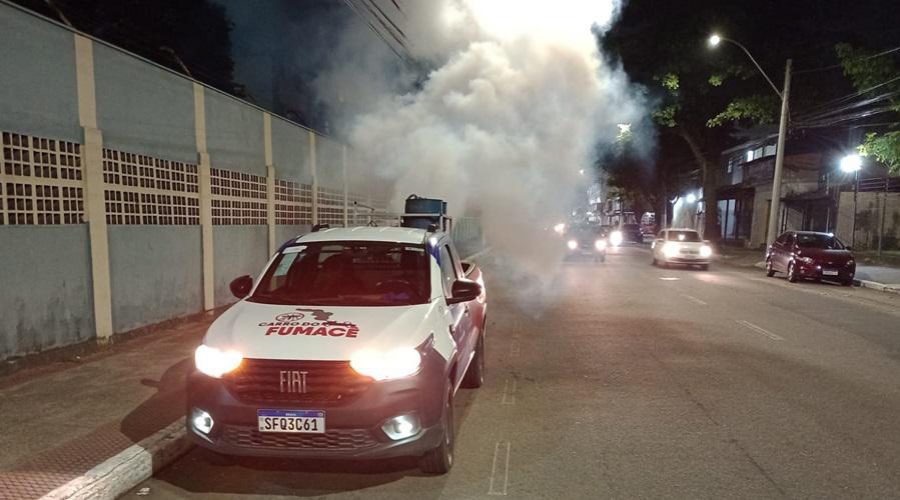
(502, 128)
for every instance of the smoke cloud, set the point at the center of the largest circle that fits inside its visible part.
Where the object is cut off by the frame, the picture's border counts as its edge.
(515, 107)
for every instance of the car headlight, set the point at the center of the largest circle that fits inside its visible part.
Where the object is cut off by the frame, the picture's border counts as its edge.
(600, 245)
(670, 249)
(705, 251)
(559, 228)
(216, 362)
(396, 363)
(806, 260)
(572, 244)
(615, 238)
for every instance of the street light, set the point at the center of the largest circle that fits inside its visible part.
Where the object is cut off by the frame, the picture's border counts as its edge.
(784, 95)
(691, 197)
(852, 164)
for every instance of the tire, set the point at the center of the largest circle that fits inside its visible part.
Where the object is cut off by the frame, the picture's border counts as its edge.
(791, 274)
(440, 459)
(847, 282)
(474, 377)
(704, 267)
(770, 271)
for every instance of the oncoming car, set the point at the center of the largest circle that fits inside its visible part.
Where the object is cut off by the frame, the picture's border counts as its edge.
(587, 242)
(351, 344)
(681, 246)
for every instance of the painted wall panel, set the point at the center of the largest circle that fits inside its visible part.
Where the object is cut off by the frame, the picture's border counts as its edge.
(290, 151)
(234, 134)
(45, 297)
(155, 274)
(37, 77)
(239, 250)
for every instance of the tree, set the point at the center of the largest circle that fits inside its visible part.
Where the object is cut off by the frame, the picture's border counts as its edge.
(876, 78)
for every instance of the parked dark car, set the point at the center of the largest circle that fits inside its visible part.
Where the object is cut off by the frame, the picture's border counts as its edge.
(811, 255)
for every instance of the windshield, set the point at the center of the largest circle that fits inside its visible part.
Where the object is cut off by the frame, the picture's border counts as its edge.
(347, 274)
(688, 236)
(820, 241)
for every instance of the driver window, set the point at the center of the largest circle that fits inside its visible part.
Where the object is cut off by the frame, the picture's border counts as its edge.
(448, 270)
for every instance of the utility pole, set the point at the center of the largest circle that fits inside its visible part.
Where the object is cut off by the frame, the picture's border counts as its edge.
(775, 206)
(853, 222)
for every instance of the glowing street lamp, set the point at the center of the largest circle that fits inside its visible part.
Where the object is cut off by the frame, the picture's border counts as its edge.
(851, 163)
(691, 197)
(775, 206)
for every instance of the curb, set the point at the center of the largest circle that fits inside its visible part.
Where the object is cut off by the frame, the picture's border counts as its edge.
(124, 471)
(874, 285)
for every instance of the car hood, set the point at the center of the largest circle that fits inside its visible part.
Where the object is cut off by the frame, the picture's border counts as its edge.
(320, 333)
(827, 257)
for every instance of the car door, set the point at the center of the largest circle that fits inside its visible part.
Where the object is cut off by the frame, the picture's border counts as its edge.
(461, 323)
(781, 250)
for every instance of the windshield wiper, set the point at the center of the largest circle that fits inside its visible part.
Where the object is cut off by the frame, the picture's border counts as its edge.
(271, 299)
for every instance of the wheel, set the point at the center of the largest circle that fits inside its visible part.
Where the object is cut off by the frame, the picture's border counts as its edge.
(474, 377)
(770, 271)
(654, 262)
(847, 282)
(440, 459)
(704, 267)
(791, 273)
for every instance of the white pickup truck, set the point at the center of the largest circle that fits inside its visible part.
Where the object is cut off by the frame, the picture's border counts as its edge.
(351, 344)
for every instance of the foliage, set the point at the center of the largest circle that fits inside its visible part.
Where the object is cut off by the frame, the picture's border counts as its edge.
(865, 71)
(758, 109)
(885, 148)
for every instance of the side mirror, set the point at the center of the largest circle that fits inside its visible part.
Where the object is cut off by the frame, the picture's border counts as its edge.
(241, 287)
(464, 291)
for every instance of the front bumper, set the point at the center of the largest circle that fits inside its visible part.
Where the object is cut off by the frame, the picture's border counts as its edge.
(817, 272)
(353, 427)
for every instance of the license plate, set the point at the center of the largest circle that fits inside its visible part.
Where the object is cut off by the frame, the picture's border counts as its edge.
(829, 272)
(690, 252)
(291, 421)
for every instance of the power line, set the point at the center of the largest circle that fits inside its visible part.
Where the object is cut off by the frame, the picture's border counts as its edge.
(835, 66)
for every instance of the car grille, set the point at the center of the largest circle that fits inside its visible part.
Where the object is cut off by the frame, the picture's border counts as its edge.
(259, 381)
(335, 439)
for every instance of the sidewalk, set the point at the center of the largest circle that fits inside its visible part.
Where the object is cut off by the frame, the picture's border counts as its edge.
(61, 424)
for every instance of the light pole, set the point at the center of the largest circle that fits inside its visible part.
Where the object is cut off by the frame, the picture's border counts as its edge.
(851, 164)
(775, 206)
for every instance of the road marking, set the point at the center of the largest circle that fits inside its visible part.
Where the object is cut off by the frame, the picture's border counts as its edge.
(669, 278)
(759, 329)
(509, 393)
(498, 452)
(694, 299)
(514, 348)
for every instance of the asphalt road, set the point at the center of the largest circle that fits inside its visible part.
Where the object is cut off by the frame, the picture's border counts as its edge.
(622, 380)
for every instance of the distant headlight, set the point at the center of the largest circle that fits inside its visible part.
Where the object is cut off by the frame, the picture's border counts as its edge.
(572, 244)
(600, 245)
(615, 238)
(215, 362)
(706, 251)
(806, 260)
(396, 363)
(559, 228)
(670, 249)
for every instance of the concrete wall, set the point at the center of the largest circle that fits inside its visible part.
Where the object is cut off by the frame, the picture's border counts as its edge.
(45, 297)
(37, 77)
(290, 152)
(868, 220)
(142, 108)
(156, 274)
(234, 134)
(239, 250)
